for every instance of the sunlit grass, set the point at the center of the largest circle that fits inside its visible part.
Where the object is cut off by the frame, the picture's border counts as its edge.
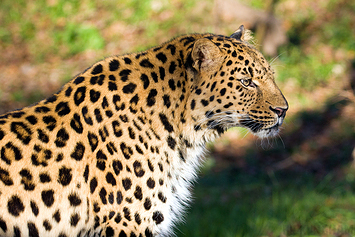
(66, 28)
(309, 71)
(234, 203)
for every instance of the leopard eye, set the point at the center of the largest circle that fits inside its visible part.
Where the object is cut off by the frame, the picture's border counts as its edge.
(247, 82)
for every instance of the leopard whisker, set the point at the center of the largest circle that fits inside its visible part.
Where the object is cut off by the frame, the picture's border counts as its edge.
(275, 58)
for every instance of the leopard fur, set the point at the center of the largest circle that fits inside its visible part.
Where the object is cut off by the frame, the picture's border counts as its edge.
(115, 151)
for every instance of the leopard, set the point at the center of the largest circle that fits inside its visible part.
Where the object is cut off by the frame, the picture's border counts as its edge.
(116, 150)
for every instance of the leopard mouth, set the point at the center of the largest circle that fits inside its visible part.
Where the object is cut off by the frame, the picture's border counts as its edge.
(223, 121)
(269, 132)
(259, 129)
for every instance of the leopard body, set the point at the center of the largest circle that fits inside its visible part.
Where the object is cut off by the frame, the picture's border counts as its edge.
(116, 150)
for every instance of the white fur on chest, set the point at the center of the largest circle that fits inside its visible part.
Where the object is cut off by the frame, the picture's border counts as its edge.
(178, 194)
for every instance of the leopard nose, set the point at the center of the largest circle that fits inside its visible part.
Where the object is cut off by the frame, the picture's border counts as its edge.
(281, 112)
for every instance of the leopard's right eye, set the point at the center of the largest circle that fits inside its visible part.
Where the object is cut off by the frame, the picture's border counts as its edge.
(247, 82)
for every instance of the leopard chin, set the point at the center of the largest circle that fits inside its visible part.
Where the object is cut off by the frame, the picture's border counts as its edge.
(272, 131)
(259, 129)
(268, 132)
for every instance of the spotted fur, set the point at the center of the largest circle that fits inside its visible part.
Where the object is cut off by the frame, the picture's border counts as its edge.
(115, 151)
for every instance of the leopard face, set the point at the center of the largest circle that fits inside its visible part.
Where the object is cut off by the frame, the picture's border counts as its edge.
(115, 151)
(241, 90)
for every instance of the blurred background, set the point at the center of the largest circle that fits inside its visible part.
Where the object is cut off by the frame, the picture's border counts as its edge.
(301, 183)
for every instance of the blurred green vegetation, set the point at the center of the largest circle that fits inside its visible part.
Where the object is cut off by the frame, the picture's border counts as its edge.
(332, 25)
(26, 21)
(240, 203)
(68, 34)
(308, 70)
(239, 193)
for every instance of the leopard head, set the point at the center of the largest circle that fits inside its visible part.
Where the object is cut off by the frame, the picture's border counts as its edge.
(234, 86)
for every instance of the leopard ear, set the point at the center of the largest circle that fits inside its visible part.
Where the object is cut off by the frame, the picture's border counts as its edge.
(239, 34)
(205, 55)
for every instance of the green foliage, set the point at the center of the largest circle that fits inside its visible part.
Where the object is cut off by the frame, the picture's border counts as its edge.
(5, 36)
(146, 15)
(79, 37)
(67, 35)
(61, 8)
(20, 96)
(141, 10)
(259, 4)
(315, 38)
(308, 70)
(339, 30)
(61, 22)
(235, 203)
(27, 30)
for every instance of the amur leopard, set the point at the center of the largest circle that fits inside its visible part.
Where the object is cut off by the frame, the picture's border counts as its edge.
(115, 151)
